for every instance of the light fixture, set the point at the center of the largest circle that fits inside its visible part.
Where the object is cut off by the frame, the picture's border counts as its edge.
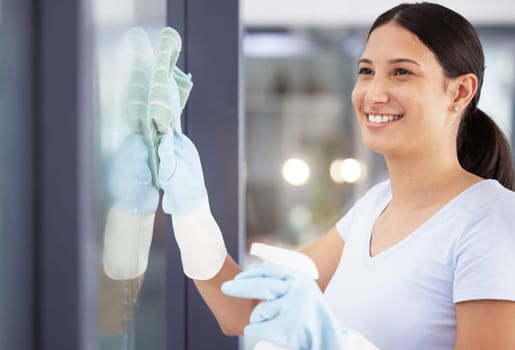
(346, 170)
(295, 171)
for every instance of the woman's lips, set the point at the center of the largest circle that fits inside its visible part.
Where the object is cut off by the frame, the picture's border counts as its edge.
(381, 120)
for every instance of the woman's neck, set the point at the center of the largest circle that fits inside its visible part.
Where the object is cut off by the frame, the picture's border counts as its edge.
(424, 181)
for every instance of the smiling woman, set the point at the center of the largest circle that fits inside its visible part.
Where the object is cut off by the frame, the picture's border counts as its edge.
(416, 96)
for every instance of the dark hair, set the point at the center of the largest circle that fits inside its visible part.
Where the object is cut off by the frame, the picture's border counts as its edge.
(482, 147)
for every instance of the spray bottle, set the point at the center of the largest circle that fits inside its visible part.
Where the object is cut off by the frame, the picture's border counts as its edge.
(287, 258)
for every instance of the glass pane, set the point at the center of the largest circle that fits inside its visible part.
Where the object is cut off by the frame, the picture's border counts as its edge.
(131, 284)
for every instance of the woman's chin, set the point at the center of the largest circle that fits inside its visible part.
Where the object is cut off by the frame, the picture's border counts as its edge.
(378, 146)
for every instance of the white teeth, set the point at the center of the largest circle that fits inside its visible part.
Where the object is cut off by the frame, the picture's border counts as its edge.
(377, 118)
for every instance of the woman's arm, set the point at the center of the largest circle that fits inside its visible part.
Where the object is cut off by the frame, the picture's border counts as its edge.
(326, 253)
(485, 324)
(231, 313)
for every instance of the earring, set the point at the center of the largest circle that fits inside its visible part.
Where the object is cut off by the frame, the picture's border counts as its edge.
(455, 108)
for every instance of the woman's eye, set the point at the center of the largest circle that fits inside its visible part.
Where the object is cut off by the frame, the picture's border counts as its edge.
(364, 71)
(401, 71)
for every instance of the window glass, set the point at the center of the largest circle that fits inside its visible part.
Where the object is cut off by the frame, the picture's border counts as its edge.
(131, 280)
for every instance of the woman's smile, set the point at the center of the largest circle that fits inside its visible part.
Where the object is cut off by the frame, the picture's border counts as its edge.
(378, 120)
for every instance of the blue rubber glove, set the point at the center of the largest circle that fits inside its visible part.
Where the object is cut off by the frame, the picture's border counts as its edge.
(293, 313)
(185, 197)
(180, 173)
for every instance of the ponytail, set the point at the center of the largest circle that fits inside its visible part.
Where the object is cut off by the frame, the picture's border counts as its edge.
(483, 149)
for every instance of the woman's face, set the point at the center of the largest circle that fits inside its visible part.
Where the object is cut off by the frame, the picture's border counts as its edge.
(400, 97)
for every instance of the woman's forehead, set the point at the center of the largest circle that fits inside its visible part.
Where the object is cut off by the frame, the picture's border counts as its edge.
(391, 42)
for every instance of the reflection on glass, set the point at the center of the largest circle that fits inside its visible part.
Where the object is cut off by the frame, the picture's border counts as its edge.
(134, 198)
(131, 274)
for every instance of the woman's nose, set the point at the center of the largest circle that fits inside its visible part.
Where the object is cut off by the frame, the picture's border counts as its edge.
(377, 91)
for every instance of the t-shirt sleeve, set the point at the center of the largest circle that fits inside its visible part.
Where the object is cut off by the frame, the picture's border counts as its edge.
(343, 226)
(485, 255)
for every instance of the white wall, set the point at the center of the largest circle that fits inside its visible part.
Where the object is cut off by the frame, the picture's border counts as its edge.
(359, 12)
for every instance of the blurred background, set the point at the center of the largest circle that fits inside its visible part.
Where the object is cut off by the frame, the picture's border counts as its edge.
(270, 113)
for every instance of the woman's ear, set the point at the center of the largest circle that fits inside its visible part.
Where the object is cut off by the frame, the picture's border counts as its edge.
(464, 89)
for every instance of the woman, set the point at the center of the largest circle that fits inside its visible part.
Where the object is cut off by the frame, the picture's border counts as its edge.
(422, 261)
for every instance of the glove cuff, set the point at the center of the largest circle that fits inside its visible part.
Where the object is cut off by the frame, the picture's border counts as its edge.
(200, 241)
(127, 244)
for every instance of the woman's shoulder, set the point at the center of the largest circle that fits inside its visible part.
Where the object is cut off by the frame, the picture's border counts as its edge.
(487, 207)
(488, 193)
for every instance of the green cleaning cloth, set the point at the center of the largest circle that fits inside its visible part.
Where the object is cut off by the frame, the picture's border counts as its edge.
(157, 89)
(168, 92)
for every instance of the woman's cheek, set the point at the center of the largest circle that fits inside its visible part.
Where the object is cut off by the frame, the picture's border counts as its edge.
(357, 96)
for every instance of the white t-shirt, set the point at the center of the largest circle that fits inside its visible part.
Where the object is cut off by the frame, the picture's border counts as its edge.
(403, 298)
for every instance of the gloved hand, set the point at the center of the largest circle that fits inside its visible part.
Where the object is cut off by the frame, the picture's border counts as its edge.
(293, 313)
(185, 197)
(180, 174)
